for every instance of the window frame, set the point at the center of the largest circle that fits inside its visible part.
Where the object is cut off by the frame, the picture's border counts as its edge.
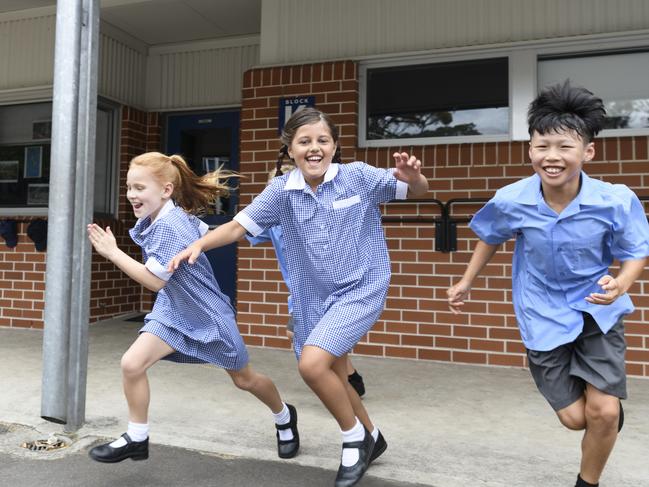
(524, 58)
(42, 211)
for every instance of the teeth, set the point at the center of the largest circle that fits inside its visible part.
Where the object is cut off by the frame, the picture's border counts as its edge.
(553, 170)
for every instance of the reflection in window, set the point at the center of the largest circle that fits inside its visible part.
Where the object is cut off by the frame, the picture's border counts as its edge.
(619, 79)
(438, 100)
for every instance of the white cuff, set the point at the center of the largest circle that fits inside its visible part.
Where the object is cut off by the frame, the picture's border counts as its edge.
(402, 190)
(246, 222)
(157, 269)
(203, 228)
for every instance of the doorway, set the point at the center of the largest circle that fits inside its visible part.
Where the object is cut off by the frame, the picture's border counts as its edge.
(208, 141)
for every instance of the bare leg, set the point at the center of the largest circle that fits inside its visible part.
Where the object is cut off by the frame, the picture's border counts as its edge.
(574, 416)
(142, 354)
(602, 414)
(259, 386)
(341, 366)
(317, 369)
(348, 365)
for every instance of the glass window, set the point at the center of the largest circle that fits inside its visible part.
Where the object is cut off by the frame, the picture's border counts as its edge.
(25, 144)
(620, 79)
(451, 99)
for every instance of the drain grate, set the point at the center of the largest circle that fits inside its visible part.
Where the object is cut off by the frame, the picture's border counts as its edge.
(52, 443)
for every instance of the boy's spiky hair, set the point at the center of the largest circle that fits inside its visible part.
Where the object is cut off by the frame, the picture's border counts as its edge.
(564, 107)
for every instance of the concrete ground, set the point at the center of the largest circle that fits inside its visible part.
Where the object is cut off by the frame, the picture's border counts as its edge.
(447, 425)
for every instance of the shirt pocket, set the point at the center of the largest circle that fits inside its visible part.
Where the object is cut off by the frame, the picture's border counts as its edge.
(586, 254)
(346, 203)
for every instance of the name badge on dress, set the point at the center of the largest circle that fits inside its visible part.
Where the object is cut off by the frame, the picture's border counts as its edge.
(346, 202)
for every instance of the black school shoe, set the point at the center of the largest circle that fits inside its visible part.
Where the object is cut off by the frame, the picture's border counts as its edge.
(348, 476)
(356, 381)
(379, 447)
(135, 450)
(288, 448)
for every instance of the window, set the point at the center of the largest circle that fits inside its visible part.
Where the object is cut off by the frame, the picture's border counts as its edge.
(458, 99)
(620, 79)
(25, 145)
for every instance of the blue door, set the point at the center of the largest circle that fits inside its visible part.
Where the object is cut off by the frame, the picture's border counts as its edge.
(206, 141)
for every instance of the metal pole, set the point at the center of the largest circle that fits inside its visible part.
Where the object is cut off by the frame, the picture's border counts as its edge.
(83, 206)
(62, 184)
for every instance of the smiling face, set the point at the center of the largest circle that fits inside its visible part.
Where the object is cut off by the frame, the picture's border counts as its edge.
(145, 193)
(312, 149)
(557, 157)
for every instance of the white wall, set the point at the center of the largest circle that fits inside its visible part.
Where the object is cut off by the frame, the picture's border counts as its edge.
(294, 31)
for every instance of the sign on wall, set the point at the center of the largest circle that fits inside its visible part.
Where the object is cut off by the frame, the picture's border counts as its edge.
(288, 106)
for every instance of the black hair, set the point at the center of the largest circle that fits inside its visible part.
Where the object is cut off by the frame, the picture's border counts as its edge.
(302, 117)
(564, 107)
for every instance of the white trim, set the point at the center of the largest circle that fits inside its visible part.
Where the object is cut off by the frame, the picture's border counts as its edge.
(206, 45)
(33, 94)
(246, 222)
(523, 61)
(157, 269)
(402, 191)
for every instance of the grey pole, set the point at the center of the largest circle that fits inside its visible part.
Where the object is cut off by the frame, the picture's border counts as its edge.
(83, 213)
(56, 337)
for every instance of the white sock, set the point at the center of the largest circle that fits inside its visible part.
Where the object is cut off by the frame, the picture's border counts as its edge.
(284, 417)
(136, 431)
(350, 455)
(375, 434)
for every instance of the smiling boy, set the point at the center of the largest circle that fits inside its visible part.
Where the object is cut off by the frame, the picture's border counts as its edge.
(568, 229)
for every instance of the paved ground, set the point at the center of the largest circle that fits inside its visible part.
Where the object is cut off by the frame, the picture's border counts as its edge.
(447, 425)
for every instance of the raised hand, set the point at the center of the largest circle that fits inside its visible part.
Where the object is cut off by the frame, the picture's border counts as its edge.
(102, 240)
(408, 168)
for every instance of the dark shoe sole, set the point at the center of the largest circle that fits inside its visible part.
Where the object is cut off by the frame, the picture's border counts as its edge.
(120, 458)
(377, 452)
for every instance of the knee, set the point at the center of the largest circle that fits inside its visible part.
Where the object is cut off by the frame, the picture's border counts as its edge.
(572, 420)
(131, 366)
(244, 382)
(604, 414)
(309, 369)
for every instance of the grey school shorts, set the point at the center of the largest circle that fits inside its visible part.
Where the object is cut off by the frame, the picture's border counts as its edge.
(593, 358)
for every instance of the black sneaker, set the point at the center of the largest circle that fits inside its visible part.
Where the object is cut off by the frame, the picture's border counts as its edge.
(356, 381)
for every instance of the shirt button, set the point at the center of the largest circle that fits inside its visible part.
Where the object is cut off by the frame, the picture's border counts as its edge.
(322, 227)
(325, 247)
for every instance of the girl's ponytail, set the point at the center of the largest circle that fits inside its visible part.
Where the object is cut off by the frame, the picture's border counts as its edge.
(283, 152)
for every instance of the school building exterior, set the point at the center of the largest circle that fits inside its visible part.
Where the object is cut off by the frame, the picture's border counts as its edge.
(448, 80)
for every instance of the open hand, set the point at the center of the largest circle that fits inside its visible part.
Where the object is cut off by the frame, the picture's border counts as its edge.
(408, 168)
(190, 254)
(612, 288)
(102, 240)
(456, 296)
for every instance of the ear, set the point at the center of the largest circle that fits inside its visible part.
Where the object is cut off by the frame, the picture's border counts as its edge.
(167, 190)
(529, 150)
(589, 151)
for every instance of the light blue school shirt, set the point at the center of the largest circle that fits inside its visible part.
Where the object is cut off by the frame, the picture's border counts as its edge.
(558, 259)
(274, 235)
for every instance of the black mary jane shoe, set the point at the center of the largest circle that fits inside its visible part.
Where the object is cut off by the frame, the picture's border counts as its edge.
(288, 448)
(135, 450)
(379, 447)
(348, 476)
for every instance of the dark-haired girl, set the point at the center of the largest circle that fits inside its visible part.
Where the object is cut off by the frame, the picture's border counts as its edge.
(337, 260)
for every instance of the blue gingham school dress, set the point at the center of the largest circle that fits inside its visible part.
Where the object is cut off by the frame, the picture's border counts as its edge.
(190, 313)
(336, 253)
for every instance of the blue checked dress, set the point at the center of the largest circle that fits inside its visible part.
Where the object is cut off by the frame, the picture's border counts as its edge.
(336, 253)
(190, 313)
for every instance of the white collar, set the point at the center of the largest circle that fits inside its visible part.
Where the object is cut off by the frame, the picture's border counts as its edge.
(296, 178)
(166, 208)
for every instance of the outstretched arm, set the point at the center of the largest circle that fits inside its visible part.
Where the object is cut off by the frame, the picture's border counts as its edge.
(408, 170)
(615, 287)
(482, 254)
(223, 235)
(105, 244)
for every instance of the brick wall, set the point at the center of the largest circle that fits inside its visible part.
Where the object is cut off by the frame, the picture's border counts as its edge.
(416, 322)
(22, 269)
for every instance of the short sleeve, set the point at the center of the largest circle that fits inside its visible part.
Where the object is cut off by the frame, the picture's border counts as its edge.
(631, 232)
(264, 211)
(491, 224)
(261, 238)
(161, 245)
(381, 184)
